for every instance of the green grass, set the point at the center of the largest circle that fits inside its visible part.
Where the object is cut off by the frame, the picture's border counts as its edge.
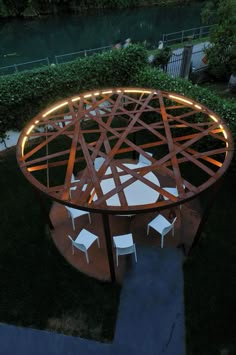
(210, 280)
(39, 289)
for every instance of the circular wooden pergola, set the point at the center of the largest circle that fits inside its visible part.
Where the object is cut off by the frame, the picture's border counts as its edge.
(188, 142)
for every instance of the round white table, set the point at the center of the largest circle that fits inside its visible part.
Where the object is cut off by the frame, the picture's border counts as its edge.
(137, 193)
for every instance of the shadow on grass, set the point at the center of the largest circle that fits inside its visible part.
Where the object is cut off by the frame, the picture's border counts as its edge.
(210, 280)
(39, 289)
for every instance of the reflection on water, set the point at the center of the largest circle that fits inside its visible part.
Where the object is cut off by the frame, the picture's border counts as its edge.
(27, 40)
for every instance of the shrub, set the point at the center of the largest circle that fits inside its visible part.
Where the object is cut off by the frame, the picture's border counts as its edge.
(23, 95)
(225, 108)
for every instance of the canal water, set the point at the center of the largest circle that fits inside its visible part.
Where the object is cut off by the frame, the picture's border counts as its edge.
(25, 40)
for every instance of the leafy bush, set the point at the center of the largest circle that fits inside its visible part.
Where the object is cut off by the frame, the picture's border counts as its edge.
(162, 57)
(225, 108)
(23, 95)
(221, 54)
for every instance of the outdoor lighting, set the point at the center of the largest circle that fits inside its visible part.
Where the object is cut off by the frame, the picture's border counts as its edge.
(55, 108)
(180, 141)
(106, 92)
(214, 118)
(30, 129)
(139, 91)
(180, 99)
(224, 133)
(23, 145)
(76, 99)
(78, 141)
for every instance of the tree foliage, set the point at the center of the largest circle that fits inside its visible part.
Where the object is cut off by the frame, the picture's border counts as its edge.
(37, 7)
(221, 54)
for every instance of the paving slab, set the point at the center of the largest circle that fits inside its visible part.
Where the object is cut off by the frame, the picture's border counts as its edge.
(151, 313)
(150, 318)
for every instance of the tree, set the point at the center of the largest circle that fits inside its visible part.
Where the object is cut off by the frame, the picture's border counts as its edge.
(15, 7)
(221, 53)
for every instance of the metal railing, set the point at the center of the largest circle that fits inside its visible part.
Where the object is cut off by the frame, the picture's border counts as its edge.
(70, 57)
(15, 68)
(186, 35)
(174, 37)
(174, 65)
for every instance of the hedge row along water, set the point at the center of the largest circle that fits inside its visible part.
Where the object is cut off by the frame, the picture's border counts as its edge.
(23, 95)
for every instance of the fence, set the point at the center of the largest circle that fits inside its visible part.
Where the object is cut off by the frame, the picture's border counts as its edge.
(174, 64)
(15, 68)
(186, 35)
(65, 58)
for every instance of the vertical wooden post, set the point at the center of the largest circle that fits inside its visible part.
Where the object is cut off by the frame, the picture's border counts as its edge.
(186, 61)
(107, 232)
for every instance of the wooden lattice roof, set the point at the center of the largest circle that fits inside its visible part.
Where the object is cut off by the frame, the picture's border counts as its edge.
(189, 143)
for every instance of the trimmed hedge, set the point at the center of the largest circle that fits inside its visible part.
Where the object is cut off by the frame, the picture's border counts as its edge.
(154, 78)
(23, 95)
(225, 108)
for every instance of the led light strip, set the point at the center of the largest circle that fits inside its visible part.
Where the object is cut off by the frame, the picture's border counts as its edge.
(139, 91)
(55, 108)
(181, 99)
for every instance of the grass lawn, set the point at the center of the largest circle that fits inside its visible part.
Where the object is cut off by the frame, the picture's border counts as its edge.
(39, 289)
(210, 280)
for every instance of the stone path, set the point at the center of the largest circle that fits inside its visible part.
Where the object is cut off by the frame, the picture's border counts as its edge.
(150, 319)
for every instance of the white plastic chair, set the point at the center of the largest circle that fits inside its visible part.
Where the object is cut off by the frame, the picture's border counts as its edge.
(83, 241)
(124, 244)
(162, 226)
(73, 179)
(74, 213)
(98, 163)
(172, 191)
(143, 160)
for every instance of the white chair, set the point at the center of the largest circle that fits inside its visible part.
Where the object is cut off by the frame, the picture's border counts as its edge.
(98, 163)
(162, 226)
(74, 213)
(124, 245)
(172, 191)
(73, 179)
(83, 241)
(143, 160)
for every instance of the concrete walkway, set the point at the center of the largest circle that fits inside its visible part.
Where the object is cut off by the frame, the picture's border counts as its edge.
(150, 319)
(10, 141)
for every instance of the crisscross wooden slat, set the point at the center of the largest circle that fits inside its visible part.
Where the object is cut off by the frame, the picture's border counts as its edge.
(114, 117)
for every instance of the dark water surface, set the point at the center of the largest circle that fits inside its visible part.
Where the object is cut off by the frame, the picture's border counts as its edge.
(33, 39)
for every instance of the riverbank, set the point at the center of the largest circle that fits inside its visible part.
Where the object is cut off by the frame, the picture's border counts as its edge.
(41, 9)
